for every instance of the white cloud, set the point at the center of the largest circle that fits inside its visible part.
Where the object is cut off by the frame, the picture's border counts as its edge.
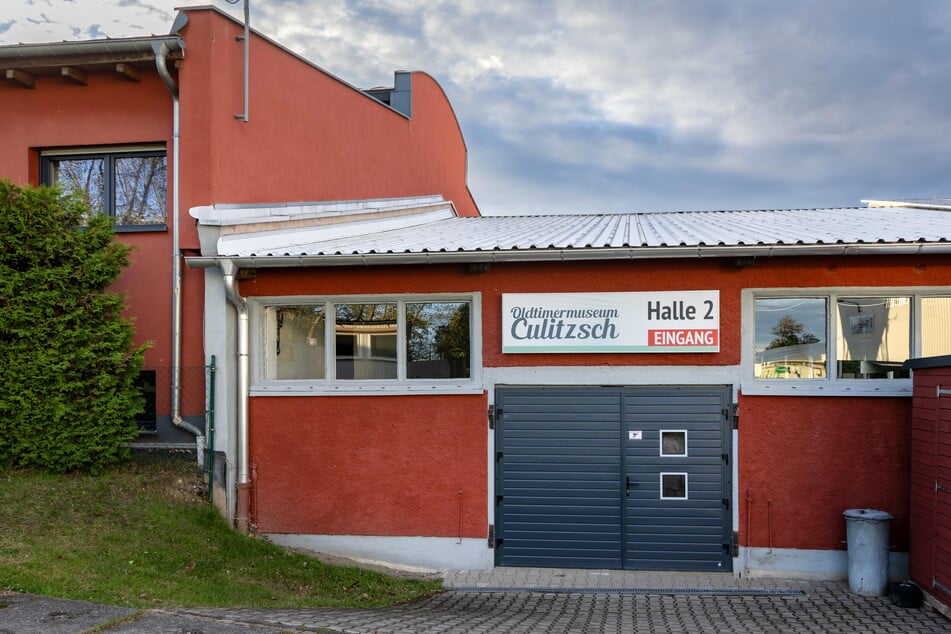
(619, 103)
(54, 20)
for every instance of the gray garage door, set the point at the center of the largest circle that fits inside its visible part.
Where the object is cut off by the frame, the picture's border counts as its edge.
(613, 477)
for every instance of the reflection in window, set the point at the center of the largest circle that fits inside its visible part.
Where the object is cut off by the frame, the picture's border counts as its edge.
(365, 336)
(84, 176)
(437, 340)
(673, 443)
(790, 338)
(299, 350)
(673, 486)
(874, 337)
(140, 190)
(129, 186)
(935, 326)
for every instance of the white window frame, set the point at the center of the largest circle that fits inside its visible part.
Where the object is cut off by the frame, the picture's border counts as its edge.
(660, 449)
(261, 385)
(831, 385)
(686, 495)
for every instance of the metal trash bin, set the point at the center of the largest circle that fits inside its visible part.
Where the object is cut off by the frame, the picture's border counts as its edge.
(867, 539)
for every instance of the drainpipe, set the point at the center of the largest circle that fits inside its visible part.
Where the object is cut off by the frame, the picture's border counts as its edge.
(247, 47)
(161, 49)
(243, 506)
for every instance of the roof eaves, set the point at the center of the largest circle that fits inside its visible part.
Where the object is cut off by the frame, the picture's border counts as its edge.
(254, 261)
(54, 54)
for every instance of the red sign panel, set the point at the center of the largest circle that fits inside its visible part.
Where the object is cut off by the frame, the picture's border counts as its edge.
(683, 337)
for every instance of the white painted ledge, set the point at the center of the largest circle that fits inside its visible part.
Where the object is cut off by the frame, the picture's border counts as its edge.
(797, 563)
(414, 553)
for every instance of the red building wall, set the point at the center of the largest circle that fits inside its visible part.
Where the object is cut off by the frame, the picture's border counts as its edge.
(310, 137)
(384, 465)
(804, 460)
(107, 111)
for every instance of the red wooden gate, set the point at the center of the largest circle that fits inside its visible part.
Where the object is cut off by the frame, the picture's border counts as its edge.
(930, 519)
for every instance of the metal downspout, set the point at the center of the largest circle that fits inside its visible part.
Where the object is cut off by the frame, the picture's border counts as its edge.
(161, 64)
(242, 518)
(247, 58)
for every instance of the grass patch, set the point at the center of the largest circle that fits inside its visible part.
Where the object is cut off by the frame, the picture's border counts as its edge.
(142, 535)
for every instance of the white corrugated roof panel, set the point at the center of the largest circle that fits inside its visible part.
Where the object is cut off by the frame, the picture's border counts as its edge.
(709, 229)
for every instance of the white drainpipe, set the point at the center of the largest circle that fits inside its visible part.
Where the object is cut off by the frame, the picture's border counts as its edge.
(162, 50)
(243, 502)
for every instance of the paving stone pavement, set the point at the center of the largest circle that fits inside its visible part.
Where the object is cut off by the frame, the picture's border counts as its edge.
(525, 600)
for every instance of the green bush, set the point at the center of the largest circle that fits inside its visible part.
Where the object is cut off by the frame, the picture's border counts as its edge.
(68, 365)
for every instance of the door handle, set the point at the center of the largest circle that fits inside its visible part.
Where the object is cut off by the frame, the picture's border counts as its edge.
(628, 484)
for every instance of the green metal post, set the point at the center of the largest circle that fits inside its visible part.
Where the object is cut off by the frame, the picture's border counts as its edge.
(210, 448)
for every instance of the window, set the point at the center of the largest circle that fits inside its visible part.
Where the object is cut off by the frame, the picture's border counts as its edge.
(874, 337)
(935, 329)
(299, 342)
(365, 336)
(843, 340)
(673, 486)
(367, 343)
(128, 185)
(438, 342)
(791, 338)
(673, 443)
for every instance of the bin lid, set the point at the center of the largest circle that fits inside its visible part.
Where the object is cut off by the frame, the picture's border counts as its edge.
(868, 515)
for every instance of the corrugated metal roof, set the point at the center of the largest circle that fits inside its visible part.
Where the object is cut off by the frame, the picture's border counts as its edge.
(666, 230)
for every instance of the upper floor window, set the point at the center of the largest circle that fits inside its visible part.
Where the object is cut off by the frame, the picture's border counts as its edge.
(843, 340)
(374, 343)
(128, 184)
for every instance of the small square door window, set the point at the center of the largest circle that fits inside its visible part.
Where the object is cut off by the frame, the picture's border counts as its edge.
(673, 486)
(673, 442)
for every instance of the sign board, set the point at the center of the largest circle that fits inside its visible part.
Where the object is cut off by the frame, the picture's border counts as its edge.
(673, 321)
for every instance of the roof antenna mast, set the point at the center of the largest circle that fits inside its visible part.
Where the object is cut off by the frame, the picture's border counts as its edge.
(247, 42)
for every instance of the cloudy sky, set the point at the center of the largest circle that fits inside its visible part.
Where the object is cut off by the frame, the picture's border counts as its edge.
(629, 105)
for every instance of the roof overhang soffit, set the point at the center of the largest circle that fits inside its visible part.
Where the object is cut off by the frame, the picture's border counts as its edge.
(74, 61)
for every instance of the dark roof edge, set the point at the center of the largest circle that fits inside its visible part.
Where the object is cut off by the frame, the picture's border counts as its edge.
(922, 363)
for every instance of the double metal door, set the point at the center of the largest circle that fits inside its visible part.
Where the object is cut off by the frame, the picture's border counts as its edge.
(613, 477)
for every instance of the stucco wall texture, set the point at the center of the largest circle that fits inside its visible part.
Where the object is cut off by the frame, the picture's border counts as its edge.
(386, 465)
(802, 460)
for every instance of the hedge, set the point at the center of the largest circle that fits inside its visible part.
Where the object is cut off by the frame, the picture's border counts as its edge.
(68, 365)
